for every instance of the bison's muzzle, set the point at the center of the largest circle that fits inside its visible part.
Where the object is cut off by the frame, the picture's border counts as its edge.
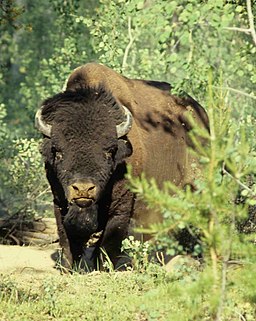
(84, 194)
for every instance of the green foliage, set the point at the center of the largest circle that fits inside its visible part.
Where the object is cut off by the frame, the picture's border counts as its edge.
(138, 252)
(11, 292)
(201, 47)
(9, 13)
(187, 38)
(50, 290)
(23, 189)
(125, 296)
(227, 161)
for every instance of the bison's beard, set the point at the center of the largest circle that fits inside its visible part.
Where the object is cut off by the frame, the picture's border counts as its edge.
(81, 223)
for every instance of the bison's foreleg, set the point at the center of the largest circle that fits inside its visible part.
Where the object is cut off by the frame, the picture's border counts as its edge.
(60, 209)
(117, 228)
(116, 231)
(66, 260)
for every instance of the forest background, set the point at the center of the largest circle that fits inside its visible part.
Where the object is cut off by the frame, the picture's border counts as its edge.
(205, 48)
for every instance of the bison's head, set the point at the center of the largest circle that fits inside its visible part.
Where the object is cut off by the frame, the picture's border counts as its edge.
(85, 140)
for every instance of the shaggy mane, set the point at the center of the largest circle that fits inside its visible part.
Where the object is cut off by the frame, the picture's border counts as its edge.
(90, 97)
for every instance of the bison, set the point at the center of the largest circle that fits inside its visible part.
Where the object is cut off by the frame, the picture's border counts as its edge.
(100, 123)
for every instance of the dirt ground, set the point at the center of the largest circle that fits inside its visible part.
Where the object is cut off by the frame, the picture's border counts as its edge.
(28, 259)
(22, 262)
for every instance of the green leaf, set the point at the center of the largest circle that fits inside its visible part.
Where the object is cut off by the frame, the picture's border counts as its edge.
(244, 192)
(140, 5)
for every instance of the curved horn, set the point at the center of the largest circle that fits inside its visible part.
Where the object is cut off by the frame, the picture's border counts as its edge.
(42, 126)
(123, 128)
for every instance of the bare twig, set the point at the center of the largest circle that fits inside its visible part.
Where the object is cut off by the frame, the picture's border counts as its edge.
(45, 191)
(250, 31)
(160, 258)
(240, 92)
(241, 317)
(128, 47)
(14, 238)
(251, 22)
(176, 45)
(191, 44)
(236, 179)
(247, 31)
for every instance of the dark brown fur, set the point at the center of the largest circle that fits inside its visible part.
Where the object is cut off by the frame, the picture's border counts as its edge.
(83, 128)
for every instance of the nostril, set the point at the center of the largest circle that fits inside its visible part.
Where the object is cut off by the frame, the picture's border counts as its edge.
(76, 188)
(82, 189)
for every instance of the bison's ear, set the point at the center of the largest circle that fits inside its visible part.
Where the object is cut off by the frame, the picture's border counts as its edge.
(124, 150)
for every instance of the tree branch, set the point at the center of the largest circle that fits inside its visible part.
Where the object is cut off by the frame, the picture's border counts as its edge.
(247, 31)
(128, 47)
(224, 171)
(240, 92)
(250, 31)
(251, 22)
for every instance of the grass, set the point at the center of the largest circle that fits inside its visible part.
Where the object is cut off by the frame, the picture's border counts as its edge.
(124, 296)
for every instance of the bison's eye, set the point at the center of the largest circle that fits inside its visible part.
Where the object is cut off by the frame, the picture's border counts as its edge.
(58, 156)
(110, 154)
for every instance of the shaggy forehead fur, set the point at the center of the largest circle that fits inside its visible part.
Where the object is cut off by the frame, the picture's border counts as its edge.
(75, 113)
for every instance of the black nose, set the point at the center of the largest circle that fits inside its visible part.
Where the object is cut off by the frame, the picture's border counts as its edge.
(82, 193)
